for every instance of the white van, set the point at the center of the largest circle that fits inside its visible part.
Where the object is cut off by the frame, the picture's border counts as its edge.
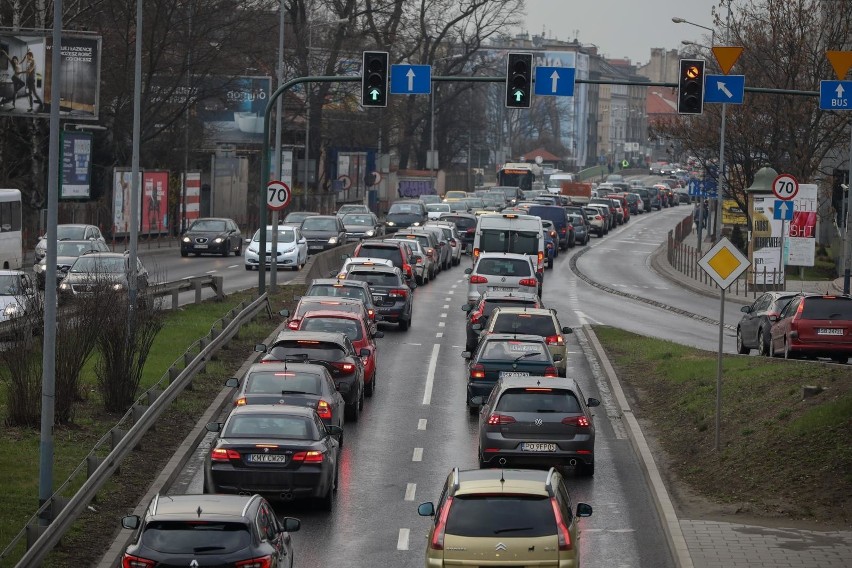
(510, 232)
(554, 182)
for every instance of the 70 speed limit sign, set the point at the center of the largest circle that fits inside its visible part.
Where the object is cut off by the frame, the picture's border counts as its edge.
(785, 187)
(277, 195)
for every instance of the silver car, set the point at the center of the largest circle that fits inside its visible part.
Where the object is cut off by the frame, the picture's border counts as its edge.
(501, 272)
(452, 235)
(424, 265)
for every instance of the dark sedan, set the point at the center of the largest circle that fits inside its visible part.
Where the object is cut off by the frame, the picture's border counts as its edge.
(281, 452)
(466, 225)
(361, 226)
(323, 232)
(753, 328)
(212, 236)
(66, 253)
(392, 296)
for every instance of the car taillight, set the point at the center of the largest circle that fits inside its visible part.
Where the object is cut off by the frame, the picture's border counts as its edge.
(437, 542)
(407, 268)
(540, 258)
(579, 421)
(598, 218)
(345, 367)
(798, 313)
(240, 401)
(308, 457)
(528, 282)
(550, 372)
(476, 252)
(419, 260)
(371, 314)
(552, 233)
(293, 324)
(563, 230)
(454, 243)
(261, 562)
(554, 340)
(562, 530)
(223, 455)
(430, 251)
(398, 293)
(470, 231)
(474, 316)
(496, 419)
(477, 371)
(129, 561)
(324, 410)
(477, 279)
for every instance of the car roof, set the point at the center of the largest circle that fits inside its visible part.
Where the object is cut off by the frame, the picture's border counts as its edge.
(325, 216)
(535, 381)
(504, 255)
(361, 268)
(105, 254)
(377, 243)
(290, 409)
(461, 215)
(216, 506)
(325, 336)
(519, 310)
(331, 300)
(497, 481)
(212, 219)
(513, 337)
(336, 281)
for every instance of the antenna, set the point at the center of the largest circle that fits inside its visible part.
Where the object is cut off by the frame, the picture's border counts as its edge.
(198, 511)
(502, 479)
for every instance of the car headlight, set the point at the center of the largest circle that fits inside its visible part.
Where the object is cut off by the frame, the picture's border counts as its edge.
(38, 268)
(370, 233)
(218, 240)
(65, 286)
(416, 223)
(12, 310)
(390, 223)
(187, 239)
(332, 241)
(118, 286)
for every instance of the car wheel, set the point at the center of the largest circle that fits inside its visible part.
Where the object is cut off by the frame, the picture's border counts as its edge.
(840, 359)
(371, 387)
(184, 254)
(741, 348)
(225, 251)
(404, 324)
(361, 401)
(788, 354)
(327, 502)
(550, 263)
(248, 267)
(239, 251)
(352, 412)
(586, 469)
(419, 280)
(763, 343)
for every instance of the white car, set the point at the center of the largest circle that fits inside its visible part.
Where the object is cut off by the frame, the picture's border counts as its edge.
(292, 248)
(434, 210)
(17, 293)
(360, 261)
(501, 272)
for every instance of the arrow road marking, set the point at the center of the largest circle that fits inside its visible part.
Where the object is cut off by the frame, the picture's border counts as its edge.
(721, 86)
(839, 91)
(554, 79)
(410, 76)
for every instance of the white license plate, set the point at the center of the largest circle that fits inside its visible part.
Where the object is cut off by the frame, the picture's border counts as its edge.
(267, 458)
(378, 299)
(512, 374)
(201, 246)
(534, 447)
(501, 288)
(829, 331)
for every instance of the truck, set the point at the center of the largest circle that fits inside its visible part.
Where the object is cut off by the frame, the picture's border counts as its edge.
(578, 192)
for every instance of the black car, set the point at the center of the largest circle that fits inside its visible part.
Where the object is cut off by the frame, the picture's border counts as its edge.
(466, 225)
(404, 214)
(323, 232)
(753, 328)
(221, 530)
(94, 272)
(335, 351)
(479, 313)
(295, 218)
(392, 296)
(212, 235)
(361, 226)
(66, 253)
(645, 196)
(281, 451)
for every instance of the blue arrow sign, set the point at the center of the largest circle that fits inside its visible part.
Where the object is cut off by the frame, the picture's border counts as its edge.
(411, 79)
(724, 89)
(554, 81)
(783, 210)
(835, 95)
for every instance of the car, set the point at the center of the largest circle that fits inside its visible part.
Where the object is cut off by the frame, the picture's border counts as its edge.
(581, 229)
(424, 265)
(359, 331)
(428, 241)
(291, 246)
(613, 211)
(537, 421)
(559, 217)
(404, 214)
(69, 232)
(393, 298)
(333, 350)
(633, 197)
(94, 271)
(645, 197)
(479, 313)
(307, 304)
(532, 321)
(281, 451)
(474, 205)
(511, 195)
(452, 235)
(212, 235)
(492, 202)
(343, 289)
(597, 221)
(360, 226)
(17, 294)
(459, 206)
(753, 327)
(434, 210)
(67, 252)
(654, 198)
(454, 195)
(551, 242)
(614, 178)
(506, 355)
(504, 517)
(348, 208)
(501, 272)
(427, 199)
(295, 218)
(606, 214)
(443, 248)
(232, 530)
(630, 201)
(300, 384)
(466, 226)
(813, 325)
(397, 252)
(350, 261)
(323, 232)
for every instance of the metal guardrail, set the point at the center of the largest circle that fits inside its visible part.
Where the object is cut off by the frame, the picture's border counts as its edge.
(144, 414)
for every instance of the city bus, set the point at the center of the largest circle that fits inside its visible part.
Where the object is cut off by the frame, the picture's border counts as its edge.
(519, 174)
(11, 244)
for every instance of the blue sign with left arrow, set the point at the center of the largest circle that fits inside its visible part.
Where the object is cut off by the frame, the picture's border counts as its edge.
(411, 79)
(724, 89)
(783, 210)
(554, 81)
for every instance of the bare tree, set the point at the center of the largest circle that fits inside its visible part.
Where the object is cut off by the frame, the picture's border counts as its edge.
(21, 356)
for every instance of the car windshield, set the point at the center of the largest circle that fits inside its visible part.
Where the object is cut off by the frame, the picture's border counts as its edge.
(208, 226)
(74, 249)
(375, 278)
(319, 224)
(274, 382)
(285, 235)
(198, 536)
(70, 233)
(538, 400)
(108, 265)
(358, 219)
(319, 350)
(269, 426)
(506, 349)
(348, 327)
(463, 223)
(527, 324)
(475, 203)
(430, 198)
(349, 209)
(501, 516)
(827, 308)
(438, 207)
(298, 216)
(519, 242)
(455, 195)
(337, 291)
(317, 303)
(503, 267)
(10, 285)
(405, 209)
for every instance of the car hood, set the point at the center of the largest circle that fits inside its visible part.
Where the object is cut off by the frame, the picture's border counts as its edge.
(255, 246)
(404, 217)
(318, 234)
(358, 228)
(208, 234)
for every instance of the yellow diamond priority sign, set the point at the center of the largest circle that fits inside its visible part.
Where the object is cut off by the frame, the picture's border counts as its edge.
(724, 263)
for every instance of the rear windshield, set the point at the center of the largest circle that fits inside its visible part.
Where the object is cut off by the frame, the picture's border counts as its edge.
(269, 426)
(491, 304)
(305, 307)
(461, 222)
(501, 516)
(827, 308)
(528, 324)
(200, 537)
(502, 350)
(320, 350)
(375, 278)
(389, 253)
(347, 327)
(268, 382)
(519, 242)
(538, 400)
(337, 291)
(503, 267)
(555, 214)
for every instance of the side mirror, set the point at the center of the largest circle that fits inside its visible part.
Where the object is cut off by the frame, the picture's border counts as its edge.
(466, 308)
(232, 382)
(593, 402)
(468, 270)
(584, 510)
(567, 330)
(746, 309)
(379, 334)
(247, 241)
(477, 401)
(476, 327)
(364, 352)
(285, 313)
(133, 521)
(214, 426)
(557, 358)
(465, 354)
(772, 318)
(426, 509)
(260, 347)
(334, 430)
(291, 524)
(302, 241)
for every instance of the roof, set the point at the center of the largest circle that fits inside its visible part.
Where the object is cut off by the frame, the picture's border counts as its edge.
(300, 367)
(335, 282)
(326, 336)
(514, 255)
(545, 155)
(331, 313)
(362, 268)
(499, 480)
(290, 409)
(503, 295)
(216, 506)
(531, 311)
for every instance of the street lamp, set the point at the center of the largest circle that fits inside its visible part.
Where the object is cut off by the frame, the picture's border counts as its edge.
(711, 30)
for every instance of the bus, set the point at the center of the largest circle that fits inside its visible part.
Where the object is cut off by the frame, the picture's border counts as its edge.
(11, 244)
(519, 174)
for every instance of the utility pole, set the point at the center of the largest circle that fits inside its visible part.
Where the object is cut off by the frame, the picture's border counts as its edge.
(847, 221)
(276, 159)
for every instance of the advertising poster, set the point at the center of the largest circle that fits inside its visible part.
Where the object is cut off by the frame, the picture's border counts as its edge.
(801, 232)
(121, 184)
(732, 214)
(766, 242)
(26, 69)
(153, 201)
(76, 165)
(232, 109)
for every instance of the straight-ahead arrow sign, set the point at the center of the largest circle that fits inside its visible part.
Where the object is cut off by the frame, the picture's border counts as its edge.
(554, 81)
(410, 76)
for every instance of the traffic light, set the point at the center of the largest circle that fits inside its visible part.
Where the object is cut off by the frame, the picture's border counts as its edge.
(519, 80)
(374, 79)
(690, 94)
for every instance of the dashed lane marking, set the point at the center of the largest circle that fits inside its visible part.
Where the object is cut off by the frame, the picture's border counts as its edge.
(421, 424)
(443, 315)
(442, 324)
(210, 271)
(446, 306)
(410, 490)
(234, 266)
(430, 377)
(417, 455)
(439, 335)
(402, 540)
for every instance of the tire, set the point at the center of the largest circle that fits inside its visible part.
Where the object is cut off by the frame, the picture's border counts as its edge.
(404, 324)
(352, 412)
(550, 263)
(586, 469)
(361, 401)
(741, 348)
(840, 359)
(419, 280)
(184, 254)
(239, 251)
(370, 388)
(787, 353)
(763, 343)
(248, 267)
(226, 251)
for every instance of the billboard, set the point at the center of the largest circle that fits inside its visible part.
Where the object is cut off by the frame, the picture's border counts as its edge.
(26, 70)
(76, 165)
(800, 246)
(153, 202)
(231, 109)
(766, 242)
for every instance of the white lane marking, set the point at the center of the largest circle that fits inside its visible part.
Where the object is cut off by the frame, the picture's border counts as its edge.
(450, 292)
(416, 344)
(430, 376)
(402, 541)
(210, 271)
(453, 286)
(234, 266)
(439, 334)
(421, 424)
(446, 306)
(410, 489)
(443, 315)
(418, 455)
(442, 324)
(462, 280)
(447, 299)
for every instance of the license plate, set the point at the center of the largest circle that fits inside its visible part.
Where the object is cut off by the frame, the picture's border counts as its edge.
(501, 289)
(535, 447)
(512, 374)
(267, 458)
(378, 299)
(315, 247)
(201, 246)
(829, 331)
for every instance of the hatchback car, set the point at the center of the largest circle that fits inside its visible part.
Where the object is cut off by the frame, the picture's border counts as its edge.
(350, 261)
(535, 421)
(434, 210)
(280, 451)
(442, 244)
(404, 214)
(17, 294)
(323, 232)
(361, 226)
(505, 517)
(308, 304)
(291, 246)
(532, 321)
(605, 214)
(466, 225)
(428, 244)
(222, 530)
(581, 229)
(453, 238)
(813, 325)
(501, 272)
(94, 270)
(66, 253)
(551, 242)
(427, 199)
(753, 327)
(69, 232)
(393, 298)
(424, 265)
(397, 252)
(212, 235)
(479, 313)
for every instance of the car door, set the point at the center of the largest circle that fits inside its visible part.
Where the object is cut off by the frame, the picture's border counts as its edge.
(782, 325)
(752, 318)
(337, 400)
(266, 525)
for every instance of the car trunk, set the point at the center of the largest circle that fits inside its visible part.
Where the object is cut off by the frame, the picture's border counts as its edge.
(539, 414)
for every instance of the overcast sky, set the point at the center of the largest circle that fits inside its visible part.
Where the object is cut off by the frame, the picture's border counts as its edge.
(621, 28)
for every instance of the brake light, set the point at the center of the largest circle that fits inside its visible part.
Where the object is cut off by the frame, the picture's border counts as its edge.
(407, 268)
(579, 421)
(261, 562)
(240, 401)
(540, 258)
(398, 293)
(470, 231)
(528, 282)
(129, 561)
(476, 252)
(563, 230)
(308, 457)
(550, 372)
(477, 279)
(345, 367)
(293, 324)
(798, 312)
(324, 410)
(419, 260)
(224, 454)
(477, 371)
(552, 233)
(554, 340)
(438, 536)
(598, 218)
(562, 530)
(371, 313)
(429, 252)
(496, 419)
(454, 243)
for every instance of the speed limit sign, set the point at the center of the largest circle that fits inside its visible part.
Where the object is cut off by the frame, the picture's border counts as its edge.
(785, 187)
(277, 195)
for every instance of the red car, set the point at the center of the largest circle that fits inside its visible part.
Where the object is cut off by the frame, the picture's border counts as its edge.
(813, 325)
(354, 327)
(397, 252)
(309, 304)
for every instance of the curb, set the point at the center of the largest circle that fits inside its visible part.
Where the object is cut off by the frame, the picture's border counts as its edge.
(659, 493)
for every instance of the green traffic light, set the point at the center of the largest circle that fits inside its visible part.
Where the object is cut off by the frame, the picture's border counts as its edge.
(519, 95)
(375, 94)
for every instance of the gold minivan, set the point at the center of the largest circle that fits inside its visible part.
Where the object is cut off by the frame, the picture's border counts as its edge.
(504, 517)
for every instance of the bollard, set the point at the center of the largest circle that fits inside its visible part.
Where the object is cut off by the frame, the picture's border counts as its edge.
(202, 345)
(197, 286)
(115, 436)
(175, 296)
(219, 287)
